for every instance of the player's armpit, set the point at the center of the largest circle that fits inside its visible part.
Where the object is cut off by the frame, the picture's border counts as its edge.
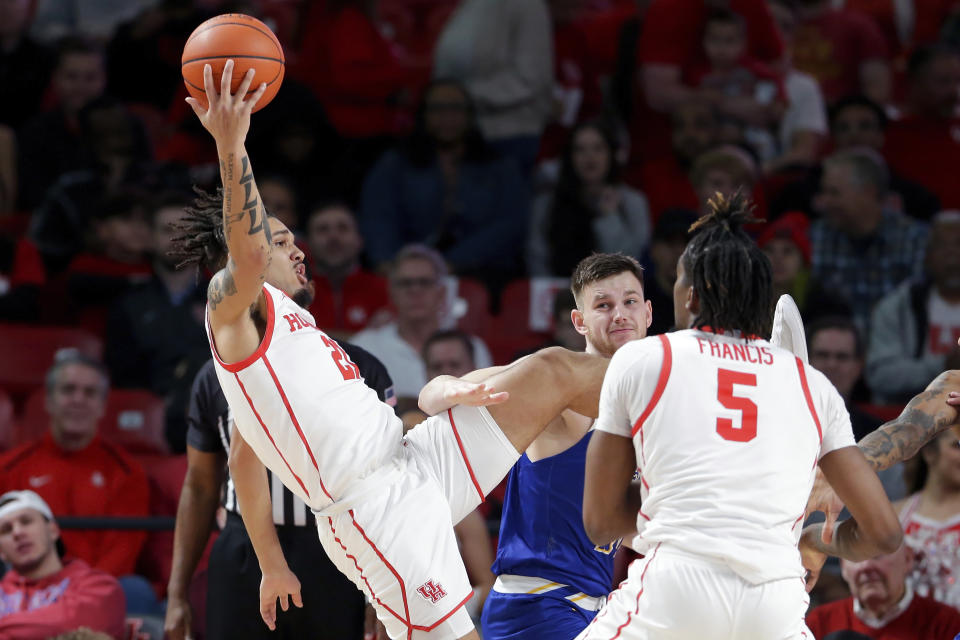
(611, 500)
(925, 416)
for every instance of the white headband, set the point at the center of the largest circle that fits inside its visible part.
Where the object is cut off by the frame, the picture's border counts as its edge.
(13, 501)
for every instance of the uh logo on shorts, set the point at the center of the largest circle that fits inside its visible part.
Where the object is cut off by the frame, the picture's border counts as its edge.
(431, 591)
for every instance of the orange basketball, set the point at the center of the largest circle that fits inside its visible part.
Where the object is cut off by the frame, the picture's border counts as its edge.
(238, 37)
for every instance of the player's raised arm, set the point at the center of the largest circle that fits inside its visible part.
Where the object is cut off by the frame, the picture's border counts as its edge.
(236, 287)
(926, 415)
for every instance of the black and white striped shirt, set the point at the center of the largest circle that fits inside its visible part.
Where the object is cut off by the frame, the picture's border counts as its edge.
(209, 423)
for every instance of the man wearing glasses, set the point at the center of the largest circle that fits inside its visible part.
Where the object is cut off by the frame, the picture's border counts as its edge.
(418, 295)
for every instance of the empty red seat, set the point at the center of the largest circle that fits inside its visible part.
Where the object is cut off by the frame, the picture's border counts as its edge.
(166, 474)
(133, 419)
(7, 424)
(28, 352)
(469, 304)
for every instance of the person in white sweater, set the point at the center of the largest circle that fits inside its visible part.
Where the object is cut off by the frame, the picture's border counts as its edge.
(589, 210)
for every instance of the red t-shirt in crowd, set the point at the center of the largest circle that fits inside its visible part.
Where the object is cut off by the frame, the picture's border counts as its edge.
(937, 141)
(832, 46)
(667, 186)
(349, 309)
(100, 480)
(924, 618)
(76, 596)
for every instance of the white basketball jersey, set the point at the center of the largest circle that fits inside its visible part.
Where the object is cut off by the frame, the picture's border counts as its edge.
(301, 405)
(728, 432)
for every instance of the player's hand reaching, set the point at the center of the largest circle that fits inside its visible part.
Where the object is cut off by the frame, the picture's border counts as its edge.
(810, 556)
(178, 620)
(280, 584)
(824, 498)
(472, 394)
(228, 116)
(373, 629)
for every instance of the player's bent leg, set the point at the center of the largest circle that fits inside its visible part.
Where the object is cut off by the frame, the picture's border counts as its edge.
(465, 452)
(542, 386)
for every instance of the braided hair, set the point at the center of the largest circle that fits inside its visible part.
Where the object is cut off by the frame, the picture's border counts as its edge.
(201, 241)
(731, 275)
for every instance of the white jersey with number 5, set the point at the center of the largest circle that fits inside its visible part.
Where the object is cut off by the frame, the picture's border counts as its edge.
(301, 405)
(728, 432)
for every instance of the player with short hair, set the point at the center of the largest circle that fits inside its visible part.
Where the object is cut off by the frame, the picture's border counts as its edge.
(551, 579)
(727, 430)
(385, 503)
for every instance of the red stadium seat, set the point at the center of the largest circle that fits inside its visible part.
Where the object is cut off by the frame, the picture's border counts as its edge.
(28, 353)
(133, 419)
(469, 303)
(526, 316)
(885, 412)
(166, 474)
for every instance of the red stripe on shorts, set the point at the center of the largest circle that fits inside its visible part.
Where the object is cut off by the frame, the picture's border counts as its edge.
(269, 437)
(463, 453)
(640, 593)
(363, 577)
(403, 588)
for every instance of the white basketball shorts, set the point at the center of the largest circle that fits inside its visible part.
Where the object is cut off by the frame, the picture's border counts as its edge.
(675, 596)
(397, 544)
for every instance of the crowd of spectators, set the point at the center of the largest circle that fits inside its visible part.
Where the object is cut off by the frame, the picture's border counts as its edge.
(445, 163)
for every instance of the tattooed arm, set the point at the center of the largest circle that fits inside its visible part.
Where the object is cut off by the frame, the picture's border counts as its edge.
(235, 288)
(926, 415)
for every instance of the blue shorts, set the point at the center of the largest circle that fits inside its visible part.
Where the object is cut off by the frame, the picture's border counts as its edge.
(518, 616)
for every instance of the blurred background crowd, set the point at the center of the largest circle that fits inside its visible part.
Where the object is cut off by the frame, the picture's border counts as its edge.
(444, 165)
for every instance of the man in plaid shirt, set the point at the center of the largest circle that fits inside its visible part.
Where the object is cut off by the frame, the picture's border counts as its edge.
(862, 248)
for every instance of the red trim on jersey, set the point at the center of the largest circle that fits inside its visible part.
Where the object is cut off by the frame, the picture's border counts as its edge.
(665, 366)
(363, 577)
(441, 620)
(296, 423)
(403, 588)
(645, 516)
(463, 453)
(639, 593)
(267, 431)
(643, 481)
(806, 394)
(237, 367)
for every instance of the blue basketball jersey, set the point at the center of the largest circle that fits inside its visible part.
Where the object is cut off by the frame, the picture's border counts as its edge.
(541, 530)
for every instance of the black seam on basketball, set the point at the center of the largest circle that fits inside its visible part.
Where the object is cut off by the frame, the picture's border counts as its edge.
(230, 57)
(269, 82)
(249, 92)
(272, 36)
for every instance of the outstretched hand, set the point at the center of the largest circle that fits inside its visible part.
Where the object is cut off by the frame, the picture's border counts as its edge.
(824, 498)
(282, 584)
(227, 116)
(472, 394)
(810, 556)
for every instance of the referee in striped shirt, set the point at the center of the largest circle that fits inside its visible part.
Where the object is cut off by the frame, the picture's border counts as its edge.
(333, 606)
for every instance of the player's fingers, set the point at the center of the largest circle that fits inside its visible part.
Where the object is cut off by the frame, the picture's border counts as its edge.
(499, 397)
(208, 86)
(284, 601)
(829, 523)
(297, 599)
(268, 611)
(226, 79)
(195, 105)
(245, 83)
(812, 577)
(254, 98)
(953, 398)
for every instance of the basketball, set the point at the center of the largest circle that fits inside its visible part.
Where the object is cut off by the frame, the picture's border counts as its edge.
(238, 37)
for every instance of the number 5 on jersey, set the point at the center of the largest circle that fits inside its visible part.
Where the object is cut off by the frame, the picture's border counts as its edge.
(726, 379)
(349, 370)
